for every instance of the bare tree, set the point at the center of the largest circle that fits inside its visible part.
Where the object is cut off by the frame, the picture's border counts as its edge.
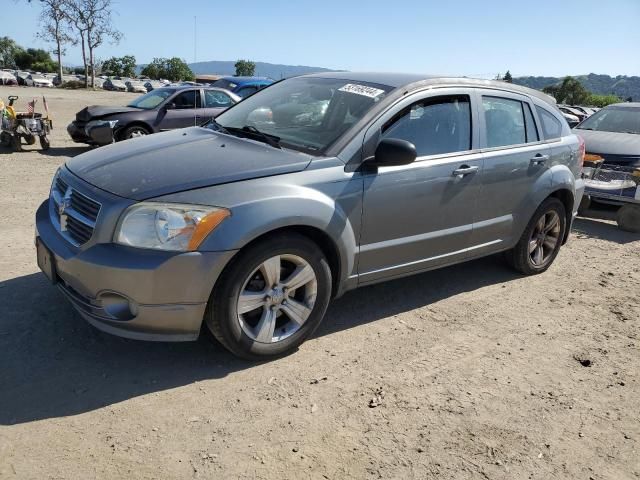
(92, 20)
(55, 27)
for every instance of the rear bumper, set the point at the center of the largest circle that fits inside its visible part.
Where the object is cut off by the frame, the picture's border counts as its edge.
(134, 293)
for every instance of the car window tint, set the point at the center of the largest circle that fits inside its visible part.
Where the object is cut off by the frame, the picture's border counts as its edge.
(551, 126)
(216, 99)
(188, 99)
(531, 130)
(435, 126)
(504, 122)
(246, 91)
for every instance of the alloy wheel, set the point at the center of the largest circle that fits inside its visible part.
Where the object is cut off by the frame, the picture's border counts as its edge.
(277, 298)
(544, 239)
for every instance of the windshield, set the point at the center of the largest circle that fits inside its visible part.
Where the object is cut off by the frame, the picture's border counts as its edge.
(305, 113)
(614, 119)
(151, 100)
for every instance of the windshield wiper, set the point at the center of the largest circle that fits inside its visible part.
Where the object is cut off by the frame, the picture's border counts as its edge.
(250, 130)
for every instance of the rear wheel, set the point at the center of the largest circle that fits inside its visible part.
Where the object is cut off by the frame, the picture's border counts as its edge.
(541, 240)
(271, 298)
(44, 142)
(5, 139)
(16, 144)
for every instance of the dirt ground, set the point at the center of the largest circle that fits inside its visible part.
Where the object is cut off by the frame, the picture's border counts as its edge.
(464, 373)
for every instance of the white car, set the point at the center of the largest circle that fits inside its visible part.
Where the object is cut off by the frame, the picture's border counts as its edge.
(136, 87)
(38, 81)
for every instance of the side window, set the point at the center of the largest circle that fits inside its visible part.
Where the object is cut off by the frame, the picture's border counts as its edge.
(531, 130)
(188, 99)
(246, 91)
(504, 122)
(215, 99)
(551, 126)
(435, 126)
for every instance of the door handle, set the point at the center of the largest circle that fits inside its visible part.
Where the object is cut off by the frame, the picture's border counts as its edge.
(465, 170)
(539, 159)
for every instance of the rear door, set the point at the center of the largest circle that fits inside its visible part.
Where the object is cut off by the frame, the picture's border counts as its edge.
(420, 216)
(186, 112)
(515, 162)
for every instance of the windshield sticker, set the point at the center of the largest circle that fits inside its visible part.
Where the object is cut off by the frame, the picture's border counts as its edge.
(361, 90)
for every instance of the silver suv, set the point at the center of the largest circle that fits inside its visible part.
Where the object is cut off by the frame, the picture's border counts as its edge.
(311, 187)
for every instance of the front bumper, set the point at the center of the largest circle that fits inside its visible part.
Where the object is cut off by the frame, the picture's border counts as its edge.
(134, 293)
(98, 135)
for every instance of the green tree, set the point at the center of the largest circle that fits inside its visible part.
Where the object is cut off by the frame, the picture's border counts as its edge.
(173, 69)
(8, 50)
(120, 66)
(245, 68)
(602, 100)
(35, 59)
(507, 77)
(177, 69)
(570, 91)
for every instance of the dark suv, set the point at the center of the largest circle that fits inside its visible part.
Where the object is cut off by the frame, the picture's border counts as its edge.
(159, 110)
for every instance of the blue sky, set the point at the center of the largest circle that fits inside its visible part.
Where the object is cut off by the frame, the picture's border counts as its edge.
(461, 37)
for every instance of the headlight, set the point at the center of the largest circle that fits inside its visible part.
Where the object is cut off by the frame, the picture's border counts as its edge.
(99, 123)
(168, 226)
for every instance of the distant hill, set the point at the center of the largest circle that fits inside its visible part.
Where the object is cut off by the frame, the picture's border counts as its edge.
(263, 69)
(622, 86)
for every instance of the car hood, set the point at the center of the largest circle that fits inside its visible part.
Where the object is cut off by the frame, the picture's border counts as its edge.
(616, 145)
(180, 160)
(96, 111)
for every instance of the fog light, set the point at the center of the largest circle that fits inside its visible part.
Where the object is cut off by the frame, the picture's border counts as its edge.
(118, 306)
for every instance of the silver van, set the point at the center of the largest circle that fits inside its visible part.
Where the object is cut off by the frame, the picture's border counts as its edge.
(311, 187)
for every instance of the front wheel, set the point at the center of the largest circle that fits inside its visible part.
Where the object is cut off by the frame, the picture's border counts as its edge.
(270, 298)
(135, 132)
(541, 240)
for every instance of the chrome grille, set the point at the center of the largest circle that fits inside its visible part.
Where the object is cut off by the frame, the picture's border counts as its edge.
(75, 213)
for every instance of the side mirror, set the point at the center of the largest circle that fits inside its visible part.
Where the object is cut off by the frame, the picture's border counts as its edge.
(392, 152)
(170, 106)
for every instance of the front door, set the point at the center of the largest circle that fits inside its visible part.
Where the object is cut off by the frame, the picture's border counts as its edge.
(185, 111)
(420, 216)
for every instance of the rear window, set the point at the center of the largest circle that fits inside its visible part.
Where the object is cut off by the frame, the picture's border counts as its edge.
(551, 126)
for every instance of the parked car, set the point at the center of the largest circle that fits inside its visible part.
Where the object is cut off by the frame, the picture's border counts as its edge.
(114, 84)
(151, 84)
(243, 86)
(613, 135)
(585, 110)
(136, 87)
(7, 78)
(254, 230)
(573, 111)
(572, 120)
(34, 80)
(159, 110)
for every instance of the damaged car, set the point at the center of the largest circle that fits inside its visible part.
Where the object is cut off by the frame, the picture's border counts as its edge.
(160, 110)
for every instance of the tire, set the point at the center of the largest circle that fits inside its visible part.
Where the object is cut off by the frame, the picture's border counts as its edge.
(522, 257)
(628, 218)
(134, 132)
(5, 139)
(44, 142)
(240, 332)
(16, 144)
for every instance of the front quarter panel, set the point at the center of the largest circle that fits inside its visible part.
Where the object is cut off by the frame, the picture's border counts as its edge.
(327, 199)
